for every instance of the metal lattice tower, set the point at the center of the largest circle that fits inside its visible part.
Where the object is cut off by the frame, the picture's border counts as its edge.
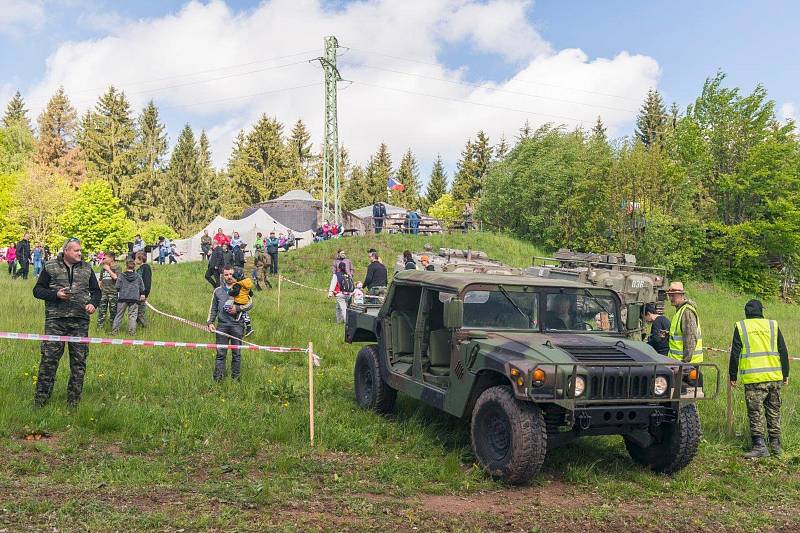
(330, 148)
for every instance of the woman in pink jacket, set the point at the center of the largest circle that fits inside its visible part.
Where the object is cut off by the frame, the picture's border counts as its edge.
(11, 258)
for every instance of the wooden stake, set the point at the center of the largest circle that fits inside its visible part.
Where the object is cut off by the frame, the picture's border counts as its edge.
(311, 392)
(279, 292)
(729, 411)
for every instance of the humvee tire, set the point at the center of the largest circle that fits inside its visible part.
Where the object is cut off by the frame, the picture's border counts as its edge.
(678, 445)
(509, 438)
(372, 391)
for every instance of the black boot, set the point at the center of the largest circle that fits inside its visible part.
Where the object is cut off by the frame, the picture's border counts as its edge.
(759, 449)
(775, 445)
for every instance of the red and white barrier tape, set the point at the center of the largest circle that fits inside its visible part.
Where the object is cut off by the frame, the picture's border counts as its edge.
(720, 350)
(138, 342)
(284, 278)
(195, 325)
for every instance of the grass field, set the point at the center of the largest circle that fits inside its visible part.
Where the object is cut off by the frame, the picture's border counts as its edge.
(156, 445)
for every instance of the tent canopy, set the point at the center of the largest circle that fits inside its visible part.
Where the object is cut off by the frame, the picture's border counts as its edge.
(248, 227)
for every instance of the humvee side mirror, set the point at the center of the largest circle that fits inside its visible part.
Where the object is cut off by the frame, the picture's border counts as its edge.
(453, 314)
(634, 315)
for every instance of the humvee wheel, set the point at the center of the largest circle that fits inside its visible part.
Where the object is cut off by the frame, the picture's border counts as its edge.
(509, 437)
(677, 446)
(372, 391)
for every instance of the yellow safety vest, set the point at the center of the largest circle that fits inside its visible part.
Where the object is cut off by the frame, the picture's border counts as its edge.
(759, 361)
(676, 336)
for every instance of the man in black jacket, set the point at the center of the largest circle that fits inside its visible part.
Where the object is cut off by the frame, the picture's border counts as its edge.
(71, 293)
(214, 267)
(23, 256)
(146, 272)
(377, 278)
(659, 331)
(378, 215)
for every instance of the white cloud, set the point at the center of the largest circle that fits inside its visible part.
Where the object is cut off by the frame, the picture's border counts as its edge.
(548, 85)
(18, 17)
(788, 112)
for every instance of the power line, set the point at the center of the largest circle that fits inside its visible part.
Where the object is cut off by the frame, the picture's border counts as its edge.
(573, 119)
(525, 82)
(197, 82)
(497, 89)
(244, 96)
(189, 74)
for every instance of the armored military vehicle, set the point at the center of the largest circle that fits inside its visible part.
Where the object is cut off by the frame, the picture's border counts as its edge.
(532, 362)
(456, 260)
(619, 272)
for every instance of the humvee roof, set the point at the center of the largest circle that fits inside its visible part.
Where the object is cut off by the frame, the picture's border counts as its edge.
(457, 281)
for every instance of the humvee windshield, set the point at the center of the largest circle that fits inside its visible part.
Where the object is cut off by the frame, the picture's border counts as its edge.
(580, 310)
(521, 308)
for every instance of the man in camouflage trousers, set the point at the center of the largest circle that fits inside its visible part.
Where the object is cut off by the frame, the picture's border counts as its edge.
(71, 294)
(108, 300)
(759, 359)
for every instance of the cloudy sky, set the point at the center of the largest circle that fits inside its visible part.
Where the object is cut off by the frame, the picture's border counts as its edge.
(419, 74)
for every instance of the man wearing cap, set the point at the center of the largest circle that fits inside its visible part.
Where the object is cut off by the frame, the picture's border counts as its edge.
(71, 293)
(685, 336)
(760, 357)
(659, 331)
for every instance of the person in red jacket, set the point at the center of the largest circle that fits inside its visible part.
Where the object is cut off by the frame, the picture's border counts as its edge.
(341, 287)
(221, 238)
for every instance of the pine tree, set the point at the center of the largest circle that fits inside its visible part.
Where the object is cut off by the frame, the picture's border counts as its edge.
(355, 190)
(300, 143)
(212, 190)
(501, 149)
(408, 175)
(599, 129)
(674, 115)
(107, 139)
(16, 112)
(182, 192)
(260, 166)
(652, 120)
(142, 191)
(525, 132)
(437, 184)
(58, 127)
(377, 174)
(472, 168)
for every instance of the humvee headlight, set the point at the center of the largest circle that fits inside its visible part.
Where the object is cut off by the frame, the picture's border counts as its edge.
(538, 377)
(693, 374)
(580, 385)
(660, 385)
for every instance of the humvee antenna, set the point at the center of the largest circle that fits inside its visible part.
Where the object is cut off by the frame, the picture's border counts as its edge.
(330, 147)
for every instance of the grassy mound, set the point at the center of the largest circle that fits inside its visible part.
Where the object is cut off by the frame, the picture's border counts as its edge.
(155, 444)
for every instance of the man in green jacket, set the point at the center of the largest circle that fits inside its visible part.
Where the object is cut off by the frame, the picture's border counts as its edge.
(71, 294)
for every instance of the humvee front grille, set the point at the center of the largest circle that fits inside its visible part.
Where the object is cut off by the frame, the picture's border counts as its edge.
(615, 387)
(597, 354)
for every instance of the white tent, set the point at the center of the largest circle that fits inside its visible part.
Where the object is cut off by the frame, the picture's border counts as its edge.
(258, 221)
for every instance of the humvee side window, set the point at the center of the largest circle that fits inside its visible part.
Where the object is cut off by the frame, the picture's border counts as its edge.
(495, 309)
(580, 311)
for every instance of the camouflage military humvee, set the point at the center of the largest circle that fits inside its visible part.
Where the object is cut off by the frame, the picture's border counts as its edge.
(533, 363)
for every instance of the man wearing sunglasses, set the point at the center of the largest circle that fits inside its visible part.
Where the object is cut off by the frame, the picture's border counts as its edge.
(71, 293)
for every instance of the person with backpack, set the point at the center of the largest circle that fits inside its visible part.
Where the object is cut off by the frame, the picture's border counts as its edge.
(378, 215)
(341, 287)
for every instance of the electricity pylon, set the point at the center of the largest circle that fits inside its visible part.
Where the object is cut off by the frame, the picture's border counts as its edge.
(330, 148)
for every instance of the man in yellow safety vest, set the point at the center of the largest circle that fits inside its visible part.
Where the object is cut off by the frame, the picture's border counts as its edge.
(759, 359)
(685, 335)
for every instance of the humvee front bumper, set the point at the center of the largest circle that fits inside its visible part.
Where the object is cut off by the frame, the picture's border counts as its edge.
(580, 385)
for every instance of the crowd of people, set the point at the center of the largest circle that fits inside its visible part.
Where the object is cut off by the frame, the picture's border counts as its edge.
(20, 256)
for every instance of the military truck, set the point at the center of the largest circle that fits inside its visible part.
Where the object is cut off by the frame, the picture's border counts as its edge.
(635, 284)
(457, 260)
(532, 362)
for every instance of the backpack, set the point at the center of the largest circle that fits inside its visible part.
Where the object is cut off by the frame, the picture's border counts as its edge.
(346, 283)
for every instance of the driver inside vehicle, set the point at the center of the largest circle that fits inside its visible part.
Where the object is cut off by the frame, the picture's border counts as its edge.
(561, 312)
